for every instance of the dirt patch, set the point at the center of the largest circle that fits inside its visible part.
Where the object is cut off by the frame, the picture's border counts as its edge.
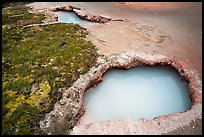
(152, 6)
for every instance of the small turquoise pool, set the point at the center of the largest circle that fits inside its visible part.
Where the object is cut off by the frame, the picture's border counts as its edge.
(70, 17)
(141, 92)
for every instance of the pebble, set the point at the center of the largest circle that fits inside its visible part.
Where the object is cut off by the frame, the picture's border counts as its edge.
(62, 102)
(61, 114)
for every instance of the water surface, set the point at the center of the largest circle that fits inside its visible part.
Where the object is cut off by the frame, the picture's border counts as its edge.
(70, 17)
(142, 92)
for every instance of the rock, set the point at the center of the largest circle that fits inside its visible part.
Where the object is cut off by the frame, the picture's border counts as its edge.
(56, 18)
(72, 7)
(61, 114)
(62, 102)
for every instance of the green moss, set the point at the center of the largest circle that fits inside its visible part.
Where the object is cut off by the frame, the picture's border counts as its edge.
(39, 98)
(37, 61)
(24, 120)
(19, 15)
(14, 103)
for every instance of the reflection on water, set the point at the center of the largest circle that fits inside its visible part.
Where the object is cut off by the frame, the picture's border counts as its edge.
(142, 92)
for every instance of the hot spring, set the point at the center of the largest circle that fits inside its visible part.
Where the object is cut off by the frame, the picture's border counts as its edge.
(140, 92)
(70, 17)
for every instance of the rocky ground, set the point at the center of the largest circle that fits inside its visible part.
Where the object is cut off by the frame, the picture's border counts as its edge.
(171, 29)
(194, 128)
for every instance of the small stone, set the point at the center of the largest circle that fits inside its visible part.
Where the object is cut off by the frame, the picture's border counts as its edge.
(61, 114)
(62, 102)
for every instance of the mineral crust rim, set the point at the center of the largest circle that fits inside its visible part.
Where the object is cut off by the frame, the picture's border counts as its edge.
(71, 103)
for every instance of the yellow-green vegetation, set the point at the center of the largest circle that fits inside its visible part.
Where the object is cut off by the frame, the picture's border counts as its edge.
(19, 15)
(36, 62)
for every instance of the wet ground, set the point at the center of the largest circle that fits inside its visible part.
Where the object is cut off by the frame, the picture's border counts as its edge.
(170, 29)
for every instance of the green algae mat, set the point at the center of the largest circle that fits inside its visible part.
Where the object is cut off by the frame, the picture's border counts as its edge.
(36, 62)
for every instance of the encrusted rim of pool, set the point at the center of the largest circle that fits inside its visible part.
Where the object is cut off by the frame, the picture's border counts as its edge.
(69, 109)
(81, 14)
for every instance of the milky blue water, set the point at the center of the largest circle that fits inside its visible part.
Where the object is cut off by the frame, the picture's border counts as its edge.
(142, 92)
(70, 17)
